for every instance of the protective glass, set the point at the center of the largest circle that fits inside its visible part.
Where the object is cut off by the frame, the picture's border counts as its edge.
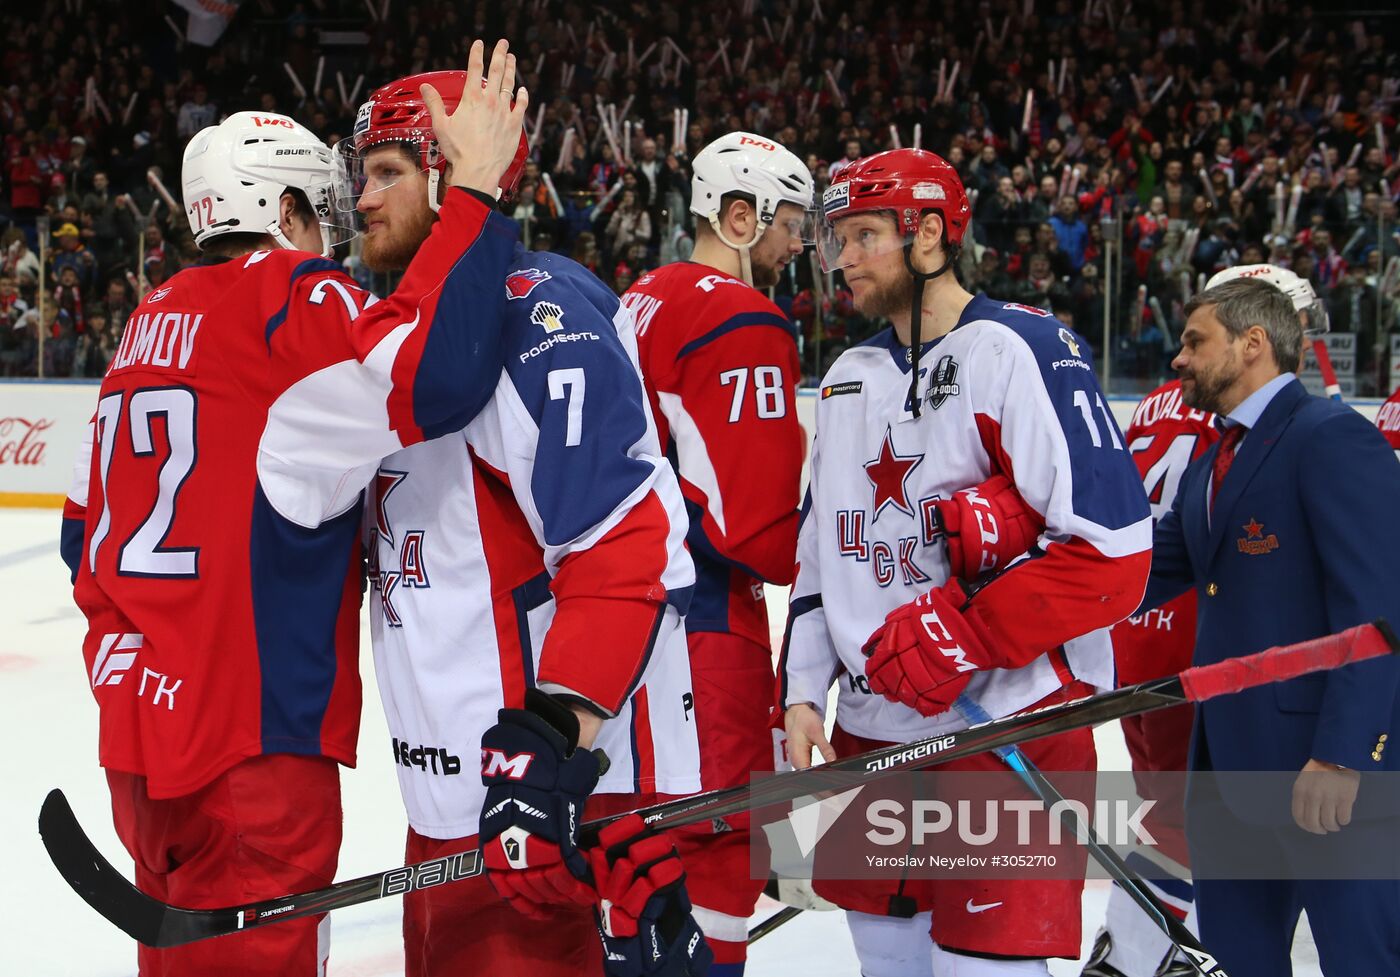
(361, 173)
(338, 229)
(803, 228)
(1315, 320)
(850, 240)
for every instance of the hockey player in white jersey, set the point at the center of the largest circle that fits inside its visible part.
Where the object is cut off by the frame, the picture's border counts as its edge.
(529, 573)
(962, 392)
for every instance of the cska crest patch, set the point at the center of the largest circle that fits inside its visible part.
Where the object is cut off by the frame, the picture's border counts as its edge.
(521, 283)
(943, 384)
(1254, 542)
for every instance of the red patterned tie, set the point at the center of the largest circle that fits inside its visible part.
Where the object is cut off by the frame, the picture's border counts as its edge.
(1224, 458)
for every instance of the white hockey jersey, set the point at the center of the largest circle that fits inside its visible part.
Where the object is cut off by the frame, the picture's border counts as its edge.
(544, 545)
(1009, 390)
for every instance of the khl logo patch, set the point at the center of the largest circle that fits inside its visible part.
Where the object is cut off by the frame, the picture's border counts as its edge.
(943, 383)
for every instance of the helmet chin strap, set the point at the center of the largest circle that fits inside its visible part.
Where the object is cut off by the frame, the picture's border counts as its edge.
(916, 314)
(434, 178)
(434, 182)
(745, 264)
(275, 230)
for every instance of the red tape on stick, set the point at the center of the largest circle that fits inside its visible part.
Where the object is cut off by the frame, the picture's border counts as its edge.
(1288, 661)
(1330, 385)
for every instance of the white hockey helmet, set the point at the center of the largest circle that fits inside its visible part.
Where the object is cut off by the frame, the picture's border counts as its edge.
(1312, 311)
(235, 173)
(745, 163)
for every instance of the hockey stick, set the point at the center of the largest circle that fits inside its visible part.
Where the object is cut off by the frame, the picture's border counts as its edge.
(1182, 938)
(772, 922)
(158, 924)
(1330, 386)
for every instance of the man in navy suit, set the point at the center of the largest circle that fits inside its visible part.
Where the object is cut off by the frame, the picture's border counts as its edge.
(1288, 529)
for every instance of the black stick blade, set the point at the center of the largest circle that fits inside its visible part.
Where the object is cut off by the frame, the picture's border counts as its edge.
(93, 878)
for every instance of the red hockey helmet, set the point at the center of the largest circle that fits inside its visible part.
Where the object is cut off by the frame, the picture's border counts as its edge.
(904, 182)
(396, 113)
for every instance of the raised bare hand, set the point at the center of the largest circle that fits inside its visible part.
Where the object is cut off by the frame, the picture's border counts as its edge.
(480, 139)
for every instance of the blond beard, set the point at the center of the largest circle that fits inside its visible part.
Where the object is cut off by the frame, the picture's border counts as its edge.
(885, 301)
(393, 252)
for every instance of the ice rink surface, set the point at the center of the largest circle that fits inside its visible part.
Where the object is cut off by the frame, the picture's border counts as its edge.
(49, 721)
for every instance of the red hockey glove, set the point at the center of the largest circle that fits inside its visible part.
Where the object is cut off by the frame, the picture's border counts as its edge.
(537, 780)
(926, 651)
(644, 915)
(987, 527)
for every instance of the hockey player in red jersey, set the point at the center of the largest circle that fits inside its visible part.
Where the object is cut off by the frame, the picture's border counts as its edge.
(1388, 419)
(214, 533)
(528, 580)
(721, 368)
(963, 392)
(1164, 437)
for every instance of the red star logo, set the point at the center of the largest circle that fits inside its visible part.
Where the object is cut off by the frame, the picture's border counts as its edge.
(888, 473)
(1254, 528)
(385, 481)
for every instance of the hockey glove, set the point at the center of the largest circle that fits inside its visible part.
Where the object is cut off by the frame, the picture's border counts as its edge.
(986, 527)
(927, 651)
(536, 783)
(644, 916)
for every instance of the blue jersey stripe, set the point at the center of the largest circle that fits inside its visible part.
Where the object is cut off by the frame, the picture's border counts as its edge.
(1107, 486)
(531, 594)
(306, 267)
(70, 546)
(575, 378)
(462, 351)
(796, 608)
(736, 322)
(297, 594)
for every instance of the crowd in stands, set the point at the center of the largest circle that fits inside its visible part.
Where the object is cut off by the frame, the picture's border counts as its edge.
(1183, 137)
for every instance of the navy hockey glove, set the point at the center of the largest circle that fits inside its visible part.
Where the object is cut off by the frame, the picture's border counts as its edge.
(927, 650)
(986, 527)
(644, 915)
(536, 783)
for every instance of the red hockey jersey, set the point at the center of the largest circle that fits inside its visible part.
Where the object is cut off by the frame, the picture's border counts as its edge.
(721, 369)
(1164, 437)
(1388, 420)
(247, 406)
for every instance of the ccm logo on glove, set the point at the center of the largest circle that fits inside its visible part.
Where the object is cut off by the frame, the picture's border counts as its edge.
(1006, 527)
(946, 644)
(494, 763)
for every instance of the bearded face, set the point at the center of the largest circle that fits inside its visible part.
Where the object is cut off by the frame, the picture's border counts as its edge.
(394, 209)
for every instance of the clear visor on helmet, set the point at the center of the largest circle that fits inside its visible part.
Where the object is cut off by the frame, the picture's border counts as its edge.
(802, 226)
(855, 238)
(336, 227)
(361, 174)
(1315, 319)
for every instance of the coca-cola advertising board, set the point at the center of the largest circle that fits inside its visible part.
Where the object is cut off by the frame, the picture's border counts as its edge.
(41, 424)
